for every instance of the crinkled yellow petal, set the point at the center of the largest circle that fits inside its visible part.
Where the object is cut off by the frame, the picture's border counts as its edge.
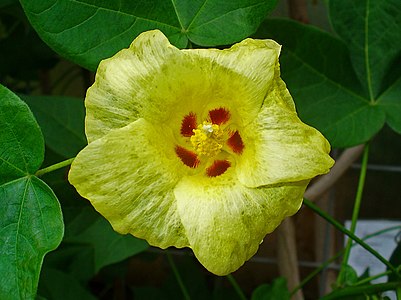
(154, 80)
(129, 176)
(240, 75)
(225, 221)
(124, 83)
(279, 148)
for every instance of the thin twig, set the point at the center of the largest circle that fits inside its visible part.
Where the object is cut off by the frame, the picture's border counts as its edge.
(55, 167)
(287, 256)
(178, 277)
(288, 263)
(298, 10)
(236, 287)
(355, 212)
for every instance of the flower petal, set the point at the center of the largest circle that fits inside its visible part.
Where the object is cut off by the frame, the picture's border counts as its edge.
(247, 69)
(129, 176)
(123, 81)
(154, 80)
(279, 148)
(225, 221)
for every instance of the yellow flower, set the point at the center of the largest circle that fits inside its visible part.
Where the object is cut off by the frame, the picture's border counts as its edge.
(198, 148)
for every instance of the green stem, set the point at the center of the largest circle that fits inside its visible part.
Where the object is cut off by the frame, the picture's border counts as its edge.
(54, 167)
(337, 255)
(369, 279)
(398, 293)
(379, 232)
(355, 212)
(236, 286)
(178, 276)
(362, 290)
(352, 236)
(315, 272)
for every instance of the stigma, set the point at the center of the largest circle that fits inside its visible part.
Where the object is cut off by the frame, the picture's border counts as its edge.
(207, 139)
(207, 128)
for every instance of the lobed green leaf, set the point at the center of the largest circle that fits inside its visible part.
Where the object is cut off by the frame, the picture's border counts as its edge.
(30, 226)
(318, 71)
(30, 216)
(21, 141)
(390, 100)
(90, 31)
(316, 67)
(371, 31)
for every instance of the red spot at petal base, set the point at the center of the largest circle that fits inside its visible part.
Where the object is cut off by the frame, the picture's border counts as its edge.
(188, 124)
(187, 157)
(219, 167)
(235, 143)
(219, 116)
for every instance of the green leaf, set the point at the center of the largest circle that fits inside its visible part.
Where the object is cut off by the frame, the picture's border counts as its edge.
(74, 259)
(62, 122)
(348, 276)
(16, 36)
(316, 68)
(390, 100)
(371, 30)
(109, 26)
(30, 216)
(55, 284)
(4, 3)
(30, 226)
(277, 290)
(395, 260)
(109, 246)
(21, 142)
(352, 292)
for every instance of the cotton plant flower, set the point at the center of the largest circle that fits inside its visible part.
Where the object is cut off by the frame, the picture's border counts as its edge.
(198, 148)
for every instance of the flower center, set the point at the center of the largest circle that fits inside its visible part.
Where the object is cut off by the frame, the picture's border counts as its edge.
(207, 139)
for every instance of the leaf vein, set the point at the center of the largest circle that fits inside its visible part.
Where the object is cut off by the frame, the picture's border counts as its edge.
(227, 13)
(339, 86)
(197, 14)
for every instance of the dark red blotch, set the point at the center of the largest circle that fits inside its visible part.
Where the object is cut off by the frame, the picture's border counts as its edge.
(218, 168)
(235, 142)
(188, 158)
(219, 115)
(188, 124)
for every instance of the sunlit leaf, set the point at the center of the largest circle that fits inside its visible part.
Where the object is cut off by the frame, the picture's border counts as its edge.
(30, 226)
(21, 142)
(30, 216)
(89, 31)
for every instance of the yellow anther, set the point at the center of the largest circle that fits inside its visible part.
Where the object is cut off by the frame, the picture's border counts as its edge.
(207, 139)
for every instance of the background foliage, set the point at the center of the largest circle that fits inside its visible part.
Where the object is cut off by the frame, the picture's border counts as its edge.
(346, 83)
